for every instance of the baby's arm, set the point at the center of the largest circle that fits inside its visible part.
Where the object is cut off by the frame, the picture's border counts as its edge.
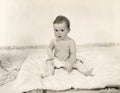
(49, 61)
(72, 59)
(50, 54)
(50, 51)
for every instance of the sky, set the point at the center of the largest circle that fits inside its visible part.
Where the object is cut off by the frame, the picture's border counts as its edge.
(29, 22)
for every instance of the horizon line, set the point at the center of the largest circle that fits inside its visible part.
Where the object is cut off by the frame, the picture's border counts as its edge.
(110, 44)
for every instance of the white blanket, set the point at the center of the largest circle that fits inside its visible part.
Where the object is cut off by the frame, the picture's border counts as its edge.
(106, 69)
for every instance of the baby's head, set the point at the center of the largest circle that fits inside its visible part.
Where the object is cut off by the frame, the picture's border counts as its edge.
(60, 19)
(61, 27)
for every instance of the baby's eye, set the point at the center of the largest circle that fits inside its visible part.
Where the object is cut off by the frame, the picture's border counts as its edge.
(62, 30)
(56, 30)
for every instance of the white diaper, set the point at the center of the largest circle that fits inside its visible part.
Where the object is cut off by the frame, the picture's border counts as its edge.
(58, 63)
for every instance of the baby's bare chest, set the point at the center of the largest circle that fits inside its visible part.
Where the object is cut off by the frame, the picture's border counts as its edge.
(62, 46)
(62, 51)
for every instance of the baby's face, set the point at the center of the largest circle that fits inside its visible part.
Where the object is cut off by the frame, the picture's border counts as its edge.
(61, 30)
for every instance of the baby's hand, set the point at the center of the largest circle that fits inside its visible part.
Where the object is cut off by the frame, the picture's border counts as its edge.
(68, 67)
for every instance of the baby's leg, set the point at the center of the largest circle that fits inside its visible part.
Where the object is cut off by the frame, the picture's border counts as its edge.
(83, 69)
(50, 68)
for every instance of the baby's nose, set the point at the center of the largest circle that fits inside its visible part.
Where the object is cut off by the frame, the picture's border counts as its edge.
(59, 33)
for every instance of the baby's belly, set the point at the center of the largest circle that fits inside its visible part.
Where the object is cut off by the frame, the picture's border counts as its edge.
(62, 56)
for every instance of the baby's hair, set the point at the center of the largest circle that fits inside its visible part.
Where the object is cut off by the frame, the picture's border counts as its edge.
(60, 19)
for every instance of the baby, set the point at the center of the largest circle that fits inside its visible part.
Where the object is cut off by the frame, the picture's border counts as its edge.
(62, 50)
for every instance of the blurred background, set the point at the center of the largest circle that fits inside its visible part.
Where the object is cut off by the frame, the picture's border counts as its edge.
(29, 22)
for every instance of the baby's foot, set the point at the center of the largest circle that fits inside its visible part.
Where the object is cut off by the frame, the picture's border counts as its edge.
(89, 73)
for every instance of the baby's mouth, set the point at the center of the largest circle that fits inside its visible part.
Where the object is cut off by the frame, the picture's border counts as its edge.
(59, 36)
